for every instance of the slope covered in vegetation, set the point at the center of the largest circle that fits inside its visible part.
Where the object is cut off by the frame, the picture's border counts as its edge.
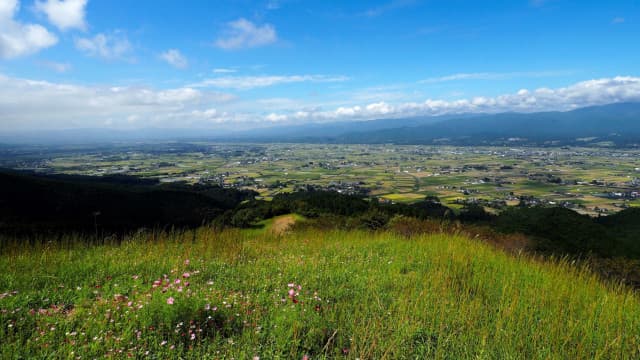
(325, 294)
(32, 203)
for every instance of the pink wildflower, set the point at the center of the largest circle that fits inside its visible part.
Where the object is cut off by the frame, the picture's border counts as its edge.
(170, 301)
(186, 275)
(187, 262)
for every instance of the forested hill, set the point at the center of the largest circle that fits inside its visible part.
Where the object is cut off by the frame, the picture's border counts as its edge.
(32, 203)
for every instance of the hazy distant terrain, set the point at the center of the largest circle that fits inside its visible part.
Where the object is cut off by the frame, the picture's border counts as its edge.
(614, 125)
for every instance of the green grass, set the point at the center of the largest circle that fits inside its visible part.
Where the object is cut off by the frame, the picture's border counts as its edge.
(362, 295)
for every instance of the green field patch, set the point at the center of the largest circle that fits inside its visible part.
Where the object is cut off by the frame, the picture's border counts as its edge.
(242, 294)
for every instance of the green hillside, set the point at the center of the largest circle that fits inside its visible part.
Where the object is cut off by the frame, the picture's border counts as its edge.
(330, 294)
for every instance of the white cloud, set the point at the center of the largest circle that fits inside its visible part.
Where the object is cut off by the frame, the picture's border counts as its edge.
(223, 71)
(30, 104)
(175, 58)
(18, 39)
(252, 82)
(64, 14)
(242, 33)
(56, 66)
(495, 76)
(110, 47)
(586, 93)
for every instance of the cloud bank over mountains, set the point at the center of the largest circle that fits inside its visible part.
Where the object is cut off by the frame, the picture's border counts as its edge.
(29, 104)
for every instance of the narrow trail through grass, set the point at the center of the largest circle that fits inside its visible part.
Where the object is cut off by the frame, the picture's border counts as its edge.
(282, 223)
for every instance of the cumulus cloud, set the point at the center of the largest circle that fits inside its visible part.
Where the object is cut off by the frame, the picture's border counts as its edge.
(242, 33)
(174, 58)
(18, 39)
(107, 46)
(252, 82)
(64, 14)
(30, 104)
(586, 93)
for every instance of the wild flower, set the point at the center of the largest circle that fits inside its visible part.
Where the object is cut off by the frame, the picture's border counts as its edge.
(187, 262)
(186, 275)
(170, 300)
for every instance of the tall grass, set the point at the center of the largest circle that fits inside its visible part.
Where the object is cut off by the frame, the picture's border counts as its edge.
(333, 294)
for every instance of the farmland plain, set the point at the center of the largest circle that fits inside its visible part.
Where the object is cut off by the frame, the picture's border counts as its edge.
(593, 181)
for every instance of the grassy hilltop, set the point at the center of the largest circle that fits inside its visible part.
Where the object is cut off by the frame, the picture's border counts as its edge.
(324, 294)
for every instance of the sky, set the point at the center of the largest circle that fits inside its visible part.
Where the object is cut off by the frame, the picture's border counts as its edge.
(123, 64)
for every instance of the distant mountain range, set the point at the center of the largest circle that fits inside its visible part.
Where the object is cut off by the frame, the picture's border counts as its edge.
(616, 124)
(607, 125)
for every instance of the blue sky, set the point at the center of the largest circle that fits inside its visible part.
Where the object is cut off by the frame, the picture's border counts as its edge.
(242, 64)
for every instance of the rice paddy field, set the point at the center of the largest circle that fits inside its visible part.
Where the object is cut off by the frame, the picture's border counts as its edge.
(305, 294)
(579, 178)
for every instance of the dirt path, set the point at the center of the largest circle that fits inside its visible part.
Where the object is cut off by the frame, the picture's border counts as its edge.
(281, 224)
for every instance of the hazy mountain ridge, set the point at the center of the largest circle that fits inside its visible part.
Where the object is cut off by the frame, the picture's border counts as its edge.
(615, 124)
